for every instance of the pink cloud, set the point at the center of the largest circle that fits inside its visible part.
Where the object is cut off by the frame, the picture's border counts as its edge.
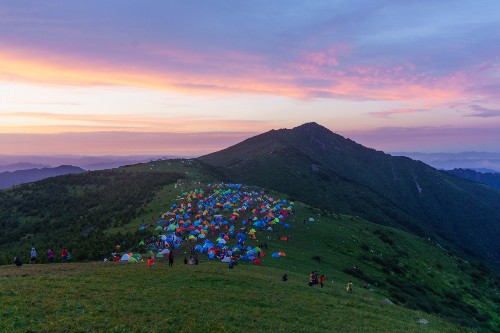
(314, 74)
(390, 113)
(120, 143)
(129, 122)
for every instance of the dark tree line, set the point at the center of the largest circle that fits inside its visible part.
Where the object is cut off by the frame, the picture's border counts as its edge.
(73, 211)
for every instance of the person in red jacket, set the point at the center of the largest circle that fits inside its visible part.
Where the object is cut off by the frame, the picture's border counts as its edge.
(64, 255)
(321, 280)
(151, 261)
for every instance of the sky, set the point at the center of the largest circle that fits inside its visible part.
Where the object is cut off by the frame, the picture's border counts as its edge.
(191, 77)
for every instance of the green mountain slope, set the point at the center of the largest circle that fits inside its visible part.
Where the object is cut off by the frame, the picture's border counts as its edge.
(324, 169)
(73, 210)
(408, 270)
(206, 298)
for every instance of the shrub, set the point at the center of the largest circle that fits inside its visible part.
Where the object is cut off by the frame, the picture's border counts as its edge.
(365, 247)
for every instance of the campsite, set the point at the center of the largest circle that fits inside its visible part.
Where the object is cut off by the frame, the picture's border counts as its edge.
(266, 235)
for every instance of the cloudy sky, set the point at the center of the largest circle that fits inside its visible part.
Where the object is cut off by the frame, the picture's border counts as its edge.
(190, 77)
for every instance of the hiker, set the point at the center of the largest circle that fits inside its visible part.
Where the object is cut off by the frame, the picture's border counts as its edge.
(170, 259)
(185, 261)
(196, 260)
(231, 264)
(151, 261)
(311, 279)
(321, 280)
(365, 285)
(69, 257)
(284, 278)
(50, 255)
(32, 255)
(349, 287)
(18, 261)
(64, 255)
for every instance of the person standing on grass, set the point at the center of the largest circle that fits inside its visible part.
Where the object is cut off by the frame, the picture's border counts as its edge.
(170, 259)
(64, 255)
(33, 256)
(151, 261)
(349, 287)
(70, 257)
(311, 279)
(321, 280)
(50, 255)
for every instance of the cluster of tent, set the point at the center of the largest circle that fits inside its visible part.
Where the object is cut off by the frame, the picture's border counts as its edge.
(131, 257)
(212, 217)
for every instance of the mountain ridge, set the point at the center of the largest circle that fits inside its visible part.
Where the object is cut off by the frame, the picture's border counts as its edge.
(353, 179)
(13, 178)
(489, 178)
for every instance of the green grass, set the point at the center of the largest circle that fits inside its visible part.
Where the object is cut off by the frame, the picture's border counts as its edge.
(110, 297)
(409, 270)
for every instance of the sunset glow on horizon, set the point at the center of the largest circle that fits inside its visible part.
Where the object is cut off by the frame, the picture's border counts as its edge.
(190, 78)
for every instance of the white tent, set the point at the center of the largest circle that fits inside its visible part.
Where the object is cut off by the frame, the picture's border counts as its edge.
(226, 259)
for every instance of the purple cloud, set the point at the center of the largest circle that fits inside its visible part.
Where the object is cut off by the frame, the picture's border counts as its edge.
(482, 112)
(359, 50)
(429, 139)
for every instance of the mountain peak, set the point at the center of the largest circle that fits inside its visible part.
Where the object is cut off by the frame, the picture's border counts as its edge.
(314, 130)
(310, 126)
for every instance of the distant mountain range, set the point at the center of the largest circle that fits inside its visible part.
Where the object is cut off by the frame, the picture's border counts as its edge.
(13, 178)
(326, 170)
(22, 166)
(23, 162)
(482, 162)
(489, 178)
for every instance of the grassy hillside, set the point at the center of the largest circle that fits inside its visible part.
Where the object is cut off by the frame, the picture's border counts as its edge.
(410, 271)
(73, 210)
(102, 297)
(312, 164)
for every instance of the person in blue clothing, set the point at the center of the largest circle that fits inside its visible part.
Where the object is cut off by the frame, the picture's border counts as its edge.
(32, 255)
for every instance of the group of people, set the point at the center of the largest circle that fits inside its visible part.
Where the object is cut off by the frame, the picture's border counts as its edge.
(314, 280)
(65, 257)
